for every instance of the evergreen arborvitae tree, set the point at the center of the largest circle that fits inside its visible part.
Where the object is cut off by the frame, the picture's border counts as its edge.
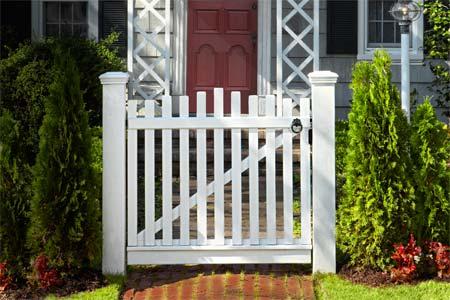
(65, 224)
(15, 193)
(376, 208)
(430, 150)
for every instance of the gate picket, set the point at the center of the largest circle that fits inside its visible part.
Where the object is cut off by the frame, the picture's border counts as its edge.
(287, 176)
(184, 175)
(253, 173)
(167, 173)
(219, 208)
(270, 175)
(132, 178)
(202, 228)
(149, 238)
(236, 194)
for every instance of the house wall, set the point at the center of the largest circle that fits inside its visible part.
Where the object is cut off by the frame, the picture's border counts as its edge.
(421, 75)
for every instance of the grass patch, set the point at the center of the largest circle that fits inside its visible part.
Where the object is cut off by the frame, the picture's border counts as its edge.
(110, 291)
(331, 287)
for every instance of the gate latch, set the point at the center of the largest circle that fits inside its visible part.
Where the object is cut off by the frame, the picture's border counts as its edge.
(296, 126)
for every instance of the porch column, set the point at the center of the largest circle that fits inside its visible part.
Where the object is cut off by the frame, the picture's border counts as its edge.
(323, 171)
(113, 196)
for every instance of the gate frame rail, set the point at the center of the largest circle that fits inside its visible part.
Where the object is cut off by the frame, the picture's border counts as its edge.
(114, 175)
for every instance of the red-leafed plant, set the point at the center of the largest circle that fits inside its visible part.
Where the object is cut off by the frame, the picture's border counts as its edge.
(46, 276)
(406, 259)
(5, 279)
(441, 258)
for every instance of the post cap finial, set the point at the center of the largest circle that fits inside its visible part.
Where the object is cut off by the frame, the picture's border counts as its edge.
(114, 78)
(323, 77)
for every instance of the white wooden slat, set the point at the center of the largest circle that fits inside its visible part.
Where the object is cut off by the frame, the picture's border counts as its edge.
(270, 175)
(202, 228)
(211, 123)
(219, 208)
(184, 175)
(218, 256)
(236, 194)
(132, 179)
(305, 176)
(245, 245)
(149, 177)
(287, 176)
(253, 173)
(167, 174)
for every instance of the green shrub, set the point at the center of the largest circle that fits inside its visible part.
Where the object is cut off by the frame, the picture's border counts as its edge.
(437, 45)
(25, 77)
(15, 192)
(341, 151)
(65, 223)
(376, 208)
(430, 150)
(26, 74)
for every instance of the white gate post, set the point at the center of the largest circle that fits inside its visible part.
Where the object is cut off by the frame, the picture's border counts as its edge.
(323, 171)
(113, 205)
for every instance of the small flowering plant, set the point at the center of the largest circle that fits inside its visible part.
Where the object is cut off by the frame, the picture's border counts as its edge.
(441, 257)
(5, 278)
(47, 277)
(406, 259)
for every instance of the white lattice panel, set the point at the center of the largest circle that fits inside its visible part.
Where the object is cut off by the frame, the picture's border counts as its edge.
(148, 21)
(294, 23)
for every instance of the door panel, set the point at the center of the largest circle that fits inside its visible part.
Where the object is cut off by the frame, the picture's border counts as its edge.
(222, 49)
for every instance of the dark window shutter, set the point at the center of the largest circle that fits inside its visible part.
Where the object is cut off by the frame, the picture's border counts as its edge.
(113, 17)
(342, 29)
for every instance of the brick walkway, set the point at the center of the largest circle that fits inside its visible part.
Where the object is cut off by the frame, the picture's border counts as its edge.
(219, 282)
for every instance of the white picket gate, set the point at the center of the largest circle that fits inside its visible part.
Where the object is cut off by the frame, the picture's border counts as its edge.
(156, 242)
(145, 248)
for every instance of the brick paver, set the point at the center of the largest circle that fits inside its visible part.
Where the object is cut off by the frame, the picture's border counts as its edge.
(224, 283)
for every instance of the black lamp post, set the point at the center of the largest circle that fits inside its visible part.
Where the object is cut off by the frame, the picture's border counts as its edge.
(405, 12)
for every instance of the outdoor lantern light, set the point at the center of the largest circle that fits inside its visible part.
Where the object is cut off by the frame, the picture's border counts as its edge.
(405, 12)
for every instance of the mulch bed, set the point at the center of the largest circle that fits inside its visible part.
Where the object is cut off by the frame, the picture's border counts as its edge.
(87, 281)
(374, 278)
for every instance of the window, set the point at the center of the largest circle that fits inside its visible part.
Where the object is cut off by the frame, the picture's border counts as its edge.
(66, 19)
(377, 29)
(383, 29)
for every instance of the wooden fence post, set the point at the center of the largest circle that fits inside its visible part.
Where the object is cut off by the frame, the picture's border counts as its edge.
(323, 171)
(114, 170)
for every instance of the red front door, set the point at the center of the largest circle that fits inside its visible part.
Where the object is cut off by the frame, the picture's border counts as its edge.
(222, 50)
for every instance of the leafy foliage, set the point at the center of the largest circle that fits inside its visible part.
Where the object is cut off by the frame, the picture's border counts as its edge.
(15, 192)
(437, 43)
(341, 151)
(378, 195)
(46, 276)
(441, 258)
(26, 74)
(65, 223)
(405, 258)
(25, 78)
(430, 150)
(5, 278)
